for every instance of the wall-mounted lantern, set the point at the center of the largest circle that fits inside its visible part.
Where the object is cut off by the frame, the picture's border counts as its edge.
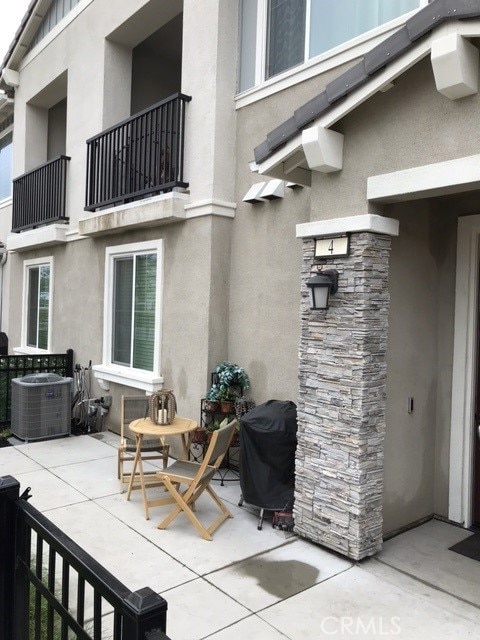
(321, 286)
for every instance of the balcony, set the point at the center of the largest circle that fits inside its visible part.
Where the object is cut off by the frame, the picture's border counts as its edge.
(39, 196)
(140, 157)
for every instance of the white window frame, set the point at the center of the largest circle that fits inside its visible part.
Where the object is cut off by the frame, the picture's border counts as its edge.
(27, 265)
(262, 43)
(6, 201)
(108, 371)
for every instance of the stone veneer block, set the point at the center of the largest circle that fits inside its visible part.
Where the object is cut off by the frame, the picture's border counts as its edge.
(341, 408)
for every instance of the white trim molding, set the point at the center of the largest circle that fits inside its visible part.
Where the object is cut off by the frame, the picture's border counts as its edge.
(154, 211)
(455, 66)
(48, 235)
(210, 208)
(352, 224)
(438, 179)
(27, 265)
(323, 149)
(464, 367)
(136, 379)
(149, 381)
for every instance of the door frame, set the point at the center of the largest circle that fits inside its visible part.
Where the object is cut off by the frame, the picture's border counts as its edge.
(464, 371)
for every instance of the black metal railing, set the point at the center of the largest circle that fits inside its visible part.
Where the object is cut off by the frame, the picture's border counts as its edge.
(16, 366)
(51, 588)
(39, 196)
(140, 156)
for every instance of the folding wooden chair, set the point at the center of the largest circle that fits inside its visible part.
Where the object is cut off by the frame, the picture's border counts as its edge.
(132, 408)
(197, 477)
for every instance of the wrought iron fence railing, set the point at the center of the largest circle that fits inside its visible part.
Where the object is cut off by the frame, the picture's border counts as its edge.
(39, 196)
(51, 589)
(140, 156)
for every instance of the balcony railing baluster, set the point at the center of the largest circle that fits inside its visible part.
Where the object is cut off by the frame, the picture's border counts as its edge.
(39, 196)
(140, 156)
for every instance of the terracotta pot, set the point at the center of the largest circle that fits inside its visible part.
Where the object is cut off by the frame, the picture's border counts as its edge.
(211, 405)
(226, 406)
(199, 436)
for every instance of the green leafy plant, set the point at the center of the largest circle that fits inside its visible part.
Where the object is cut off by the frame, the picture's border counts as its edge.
(230, 374)
(216, 425)
(227, 395)
(213, 393)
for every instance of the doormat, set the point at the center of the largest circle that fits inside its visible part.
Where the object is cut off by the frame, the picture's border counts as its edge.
(470, 547)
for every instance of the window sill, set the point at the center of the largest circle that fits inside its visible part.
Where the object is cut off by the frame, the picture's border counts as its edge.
(135, 378)
(30, 351)
(342, 54)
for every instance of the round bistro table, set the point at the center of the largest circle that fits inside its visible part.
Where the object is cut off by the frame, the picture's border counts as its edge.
(182, 427)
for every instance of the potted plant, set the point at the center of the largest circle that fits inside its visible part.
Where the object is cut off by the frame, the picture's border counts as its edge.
(211, 402)
(231, 375)
(227, 398)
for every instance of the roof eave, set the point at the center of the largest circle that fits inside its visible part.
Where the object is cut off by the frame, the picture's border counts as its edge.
(24, 34)
(273, 164)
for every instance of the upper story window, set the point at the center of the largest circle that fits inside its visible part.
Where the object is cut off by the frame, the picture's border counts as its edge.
(6, 165)
(56, 12)
(276, 35)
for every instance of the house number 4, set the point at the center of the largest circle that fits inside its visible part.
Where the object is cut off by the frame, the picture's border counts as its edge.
(328, 247)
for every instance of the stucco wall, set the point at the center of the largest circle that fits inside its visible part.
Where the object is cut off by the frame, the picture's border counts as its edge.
(77, 320)
(266, 259)
(419, 359)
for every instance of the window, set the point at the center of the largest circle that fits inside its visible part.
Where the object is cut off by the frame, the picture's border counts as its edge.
(277, 35)
(133, 281)
(6, 166)
(37, 304)
(133, 321)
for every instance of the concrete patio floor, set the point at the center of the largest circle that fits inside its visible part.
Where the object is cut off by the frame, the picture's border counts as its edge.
(260, 585)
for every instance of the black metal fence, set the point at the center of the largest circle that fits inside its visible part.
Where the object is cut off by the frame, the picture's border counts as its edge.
(39, 196)
(141, 156)
(16, 366)
(51, 589)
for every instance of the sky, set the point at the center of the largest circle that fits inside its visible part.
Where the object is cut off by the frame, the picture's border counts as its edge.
(12, 13)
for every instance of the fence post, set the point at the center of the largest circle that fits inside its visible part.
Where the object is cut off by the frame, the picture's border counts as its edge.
(9, 493)
(69, 364)
(148, 619)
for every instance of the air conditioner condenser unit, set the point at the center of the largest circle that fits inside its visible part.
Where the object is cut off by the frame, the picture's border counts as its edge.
(41, 406)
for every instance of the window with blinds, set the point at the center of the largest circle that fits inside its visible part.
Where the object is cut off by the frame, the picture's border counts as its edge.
(38, 306)
(277, 35)
(133, 314)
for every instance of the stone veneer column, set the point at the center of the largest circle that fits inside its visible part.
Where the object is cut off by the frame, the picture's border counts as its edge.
(341, 408)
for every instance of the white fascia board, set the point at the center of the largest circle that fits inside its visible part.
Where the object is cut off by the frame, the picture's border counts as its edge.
(441, 178)
(270, 166)
(351, 224)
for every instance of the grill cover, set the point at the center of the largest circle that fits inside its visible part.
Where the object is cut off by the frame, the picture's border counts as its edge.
(268, 437)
